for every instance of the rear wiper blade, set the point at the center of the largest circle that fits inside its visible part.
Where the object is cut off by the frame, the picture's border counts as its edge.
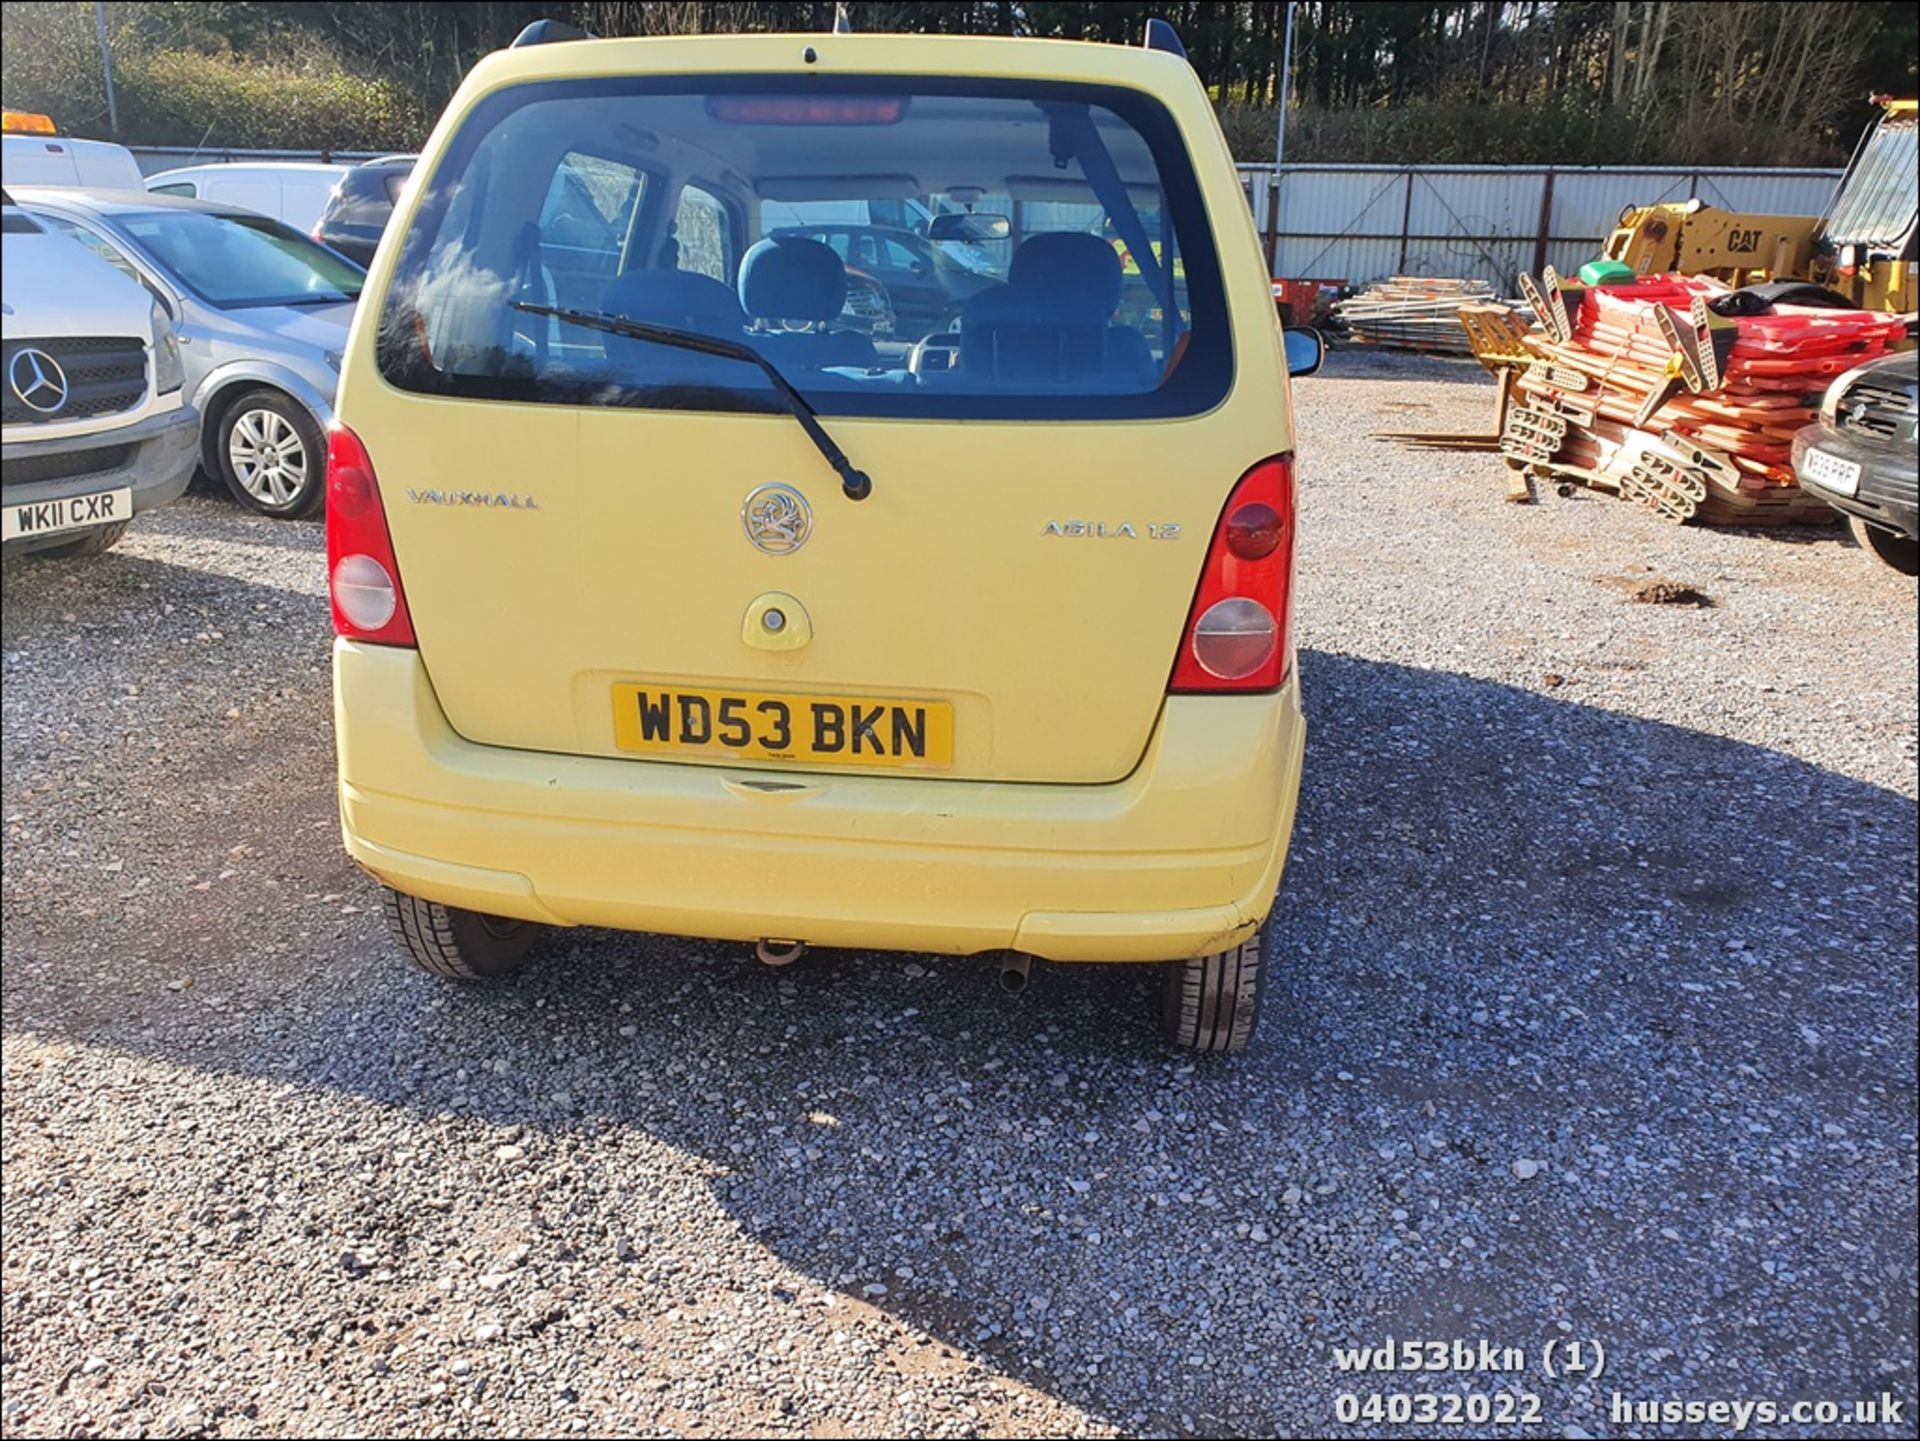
(855, 483)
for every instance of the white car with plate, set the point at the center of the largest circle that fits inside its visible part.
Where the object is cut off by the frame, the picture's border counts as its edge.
(94, 423)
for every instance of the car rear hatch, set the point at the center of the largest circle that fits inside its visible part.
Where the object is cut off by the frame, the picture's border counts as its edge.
(592, 531)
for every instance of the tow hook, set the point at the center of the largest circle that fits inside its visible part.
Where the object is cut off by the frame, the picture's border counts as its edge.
(771, 952)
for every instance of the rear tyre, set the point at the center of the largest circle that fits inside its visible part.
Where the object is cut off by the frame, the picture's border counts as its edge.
(453, 944)
(101, 538)
(1902, 552)
(271, 455)
(1212, 1003)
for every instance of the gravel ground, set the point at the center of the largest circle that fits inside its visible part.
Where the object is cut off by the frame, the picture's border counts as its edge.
(1597, 1023)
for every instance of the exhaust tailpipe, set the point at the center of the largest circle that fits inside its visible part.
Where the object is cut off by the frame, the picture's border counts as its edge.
(770, 952)
(1013, 972)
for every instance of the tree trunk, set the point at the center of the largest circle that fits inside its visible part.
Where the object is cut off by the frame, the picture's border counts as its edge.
(1492, 9)
(1617, 64)
(1654, 20)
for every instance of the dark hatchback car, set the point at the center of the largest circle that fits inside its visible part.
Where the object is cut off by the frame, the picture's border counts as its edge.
(362, 204)
(1860, 458)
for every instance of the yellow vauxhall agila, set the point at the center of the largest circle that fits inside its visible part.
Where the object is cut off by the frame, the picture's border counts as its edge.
(764, 507)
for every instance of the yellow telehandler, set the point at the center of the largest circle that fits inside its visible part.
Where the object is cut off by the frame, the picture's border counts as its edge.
(1862, 248)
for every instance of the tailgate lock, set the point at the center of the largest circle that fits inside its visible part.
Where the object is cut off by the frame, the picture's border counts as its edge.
(776, 621)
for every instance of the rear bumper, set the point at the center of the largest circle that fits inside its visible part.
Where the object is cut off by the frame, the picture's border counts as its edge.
(1181, 858)
(1889, 494)
(154, 458)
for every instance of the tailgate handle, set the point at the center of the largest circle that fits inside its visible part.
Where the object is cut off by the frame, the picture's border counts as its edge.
(741, 786)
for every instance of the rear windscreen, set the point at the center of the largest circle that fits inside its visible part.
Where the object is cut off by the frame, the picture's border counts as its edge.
(894, 246)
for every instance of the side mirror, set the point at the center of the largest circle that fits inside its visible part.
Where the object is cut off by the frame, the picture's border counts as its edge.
(970, 227)
(1305, 350)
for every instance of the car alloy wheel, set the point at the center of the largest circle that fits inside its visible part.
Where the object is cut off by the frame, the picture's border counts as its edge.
(268, 457)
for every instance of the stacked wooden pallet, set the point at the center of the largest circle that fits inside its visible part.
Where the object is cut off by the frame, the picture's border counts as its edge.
(1410, 313)
(1649, 394)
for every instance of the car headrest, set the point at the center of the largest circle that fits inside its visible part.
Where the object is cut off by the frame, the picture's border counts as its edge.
(677, 298)
(789, 277)
(1013, 331)
(1068, 261)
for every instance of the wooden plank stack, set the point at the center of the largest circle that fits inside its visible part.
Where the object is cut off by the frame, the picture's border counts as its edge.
(1411, 313)
(1717, 448)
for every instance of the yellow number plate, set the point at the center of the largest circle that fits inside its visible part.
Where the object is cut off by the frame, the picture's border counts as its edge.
(812, 729)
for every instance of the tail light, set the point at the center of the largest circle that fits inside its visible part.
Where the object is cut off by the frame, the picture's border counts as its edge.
(1239, 635)
(363, 579)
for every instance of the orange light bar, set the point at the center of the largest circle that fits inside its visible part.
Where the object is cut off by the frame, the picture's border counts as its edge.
(27, 122)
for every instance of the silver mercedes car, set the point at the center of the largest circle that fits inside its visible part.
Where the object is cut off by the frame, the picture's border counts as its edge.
(262, 313)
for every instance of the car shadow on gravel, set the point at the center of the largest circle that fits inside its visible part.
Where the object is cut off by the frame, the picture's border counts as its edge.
(1579, 1017)
(1835, 534)
(1347, 361)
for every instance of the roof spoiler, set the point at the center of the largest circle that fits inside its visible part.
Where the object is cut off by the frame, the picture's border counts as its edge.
(548, 32)
(1162, 36)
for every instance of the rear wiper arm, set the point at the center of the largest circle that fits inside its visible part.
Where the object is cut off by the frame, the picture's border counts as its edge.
(855, 483)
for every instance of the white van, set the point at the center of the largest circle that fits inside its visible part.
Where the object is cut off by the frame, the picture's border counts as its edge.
(94, 423)
(294, 192)
(36, 154)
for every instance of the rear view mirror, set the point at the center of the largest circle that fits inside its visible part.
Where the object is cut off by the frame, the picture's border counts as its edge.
(1305, 350)
(972, 227)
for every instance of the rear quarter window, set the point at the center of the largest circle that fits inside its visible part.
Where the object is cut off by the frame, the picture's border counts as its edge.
(702, 235)
(624, 196)
(578, 242)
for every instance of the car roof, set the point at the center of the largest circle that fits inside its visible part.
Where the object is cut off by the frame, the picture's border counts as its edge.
(869, 52)
(125, 202)
(933, 129)
(251, 167)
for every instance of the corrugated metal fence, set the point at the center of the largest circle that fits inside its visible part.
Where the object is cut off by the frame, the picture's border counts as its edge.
(1362, 222)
